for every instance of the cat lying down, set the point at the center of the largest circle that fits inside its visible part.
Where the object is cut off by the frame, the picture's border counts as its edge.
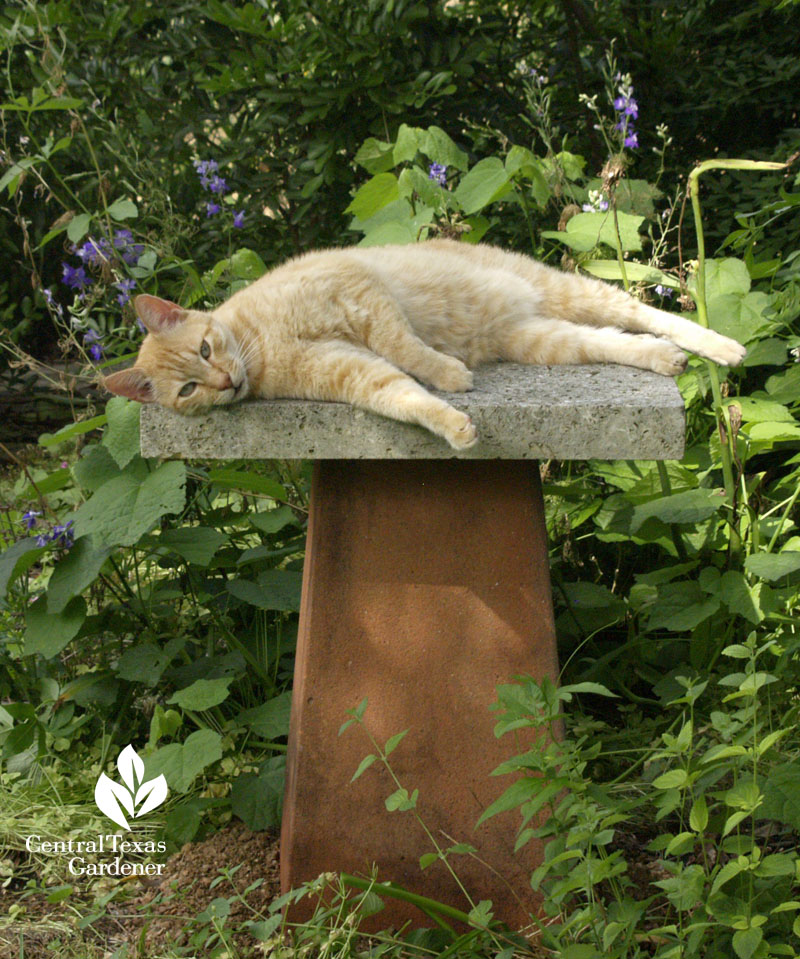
(368, 326)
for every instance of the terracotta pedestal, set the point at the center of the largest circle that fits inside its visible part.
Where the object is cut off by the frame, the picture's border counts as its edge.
(426, 584)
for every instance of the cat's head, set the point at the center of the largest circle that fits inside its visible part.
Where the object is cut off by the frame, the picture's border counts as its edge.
(188, 362)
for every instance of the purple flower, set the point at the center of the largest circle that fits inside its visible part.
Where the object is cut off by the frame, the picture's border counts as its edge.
(632, 139)
(204, 167)
(122, 238)
(664, 290)
(218, 185)
(63, 536)
(212, 208)
(438, 173)
(92, 338)
(128, 250)
(93, 251)
(75, 277)
(125, 287)
(131, 254)
(29, 518)
(50, 300)
(42, 540)
(627, 105)
(238, 219)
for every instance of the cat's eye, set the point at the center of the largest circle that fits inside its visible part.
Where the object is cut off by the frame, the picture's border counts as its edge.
(205, 350)
(187, 389)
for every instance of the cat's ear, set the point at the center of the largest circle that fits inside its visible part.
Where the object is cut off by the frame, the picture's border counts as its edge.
(159, 316)
(131, 383)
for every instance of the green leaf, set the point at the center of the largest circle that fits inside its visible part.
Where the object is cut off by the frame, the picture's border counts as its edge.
(751, 602)
(374, 195)
(196, 544)
(258, 799)
(146, 662)
(124, 509)
(363, 766)
(635, 272)
(73, 430)
(485, 183)
(48, 633)
(428, 859)
(746, 941)
(516, 794)
(202, 694)
(400, 801)
(726, 276)
(781, 791)
(757, 410)
(376, 156)
(270, 720)
(739, 316)
(277, 589)
(123, 210)
(121, 437)
(439, 148)
(690, 506)
(246, 264)
(164, 722)
(680, 607)
(181, 763)
(16, 560)
(773, 566)
(673, 779)
(78, 227)
(406, 145)
(698, 817)
(595, 689)
(273, 520)
(393, 742)
(585, 231)
(481, 915)
(74, 572)
(390, 234)
(247, 481)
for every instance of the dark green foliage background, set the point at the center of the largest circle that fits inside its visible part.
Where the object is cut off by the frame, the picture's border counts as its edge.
(171, 622)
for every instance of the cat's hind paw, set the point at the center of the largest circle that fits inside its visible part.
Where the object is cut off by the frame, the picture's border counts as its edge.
(723, 350)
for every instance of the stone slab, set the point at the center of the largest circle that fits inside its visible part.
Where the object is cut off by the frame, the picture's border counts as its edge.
(521, 412)
(425, 586)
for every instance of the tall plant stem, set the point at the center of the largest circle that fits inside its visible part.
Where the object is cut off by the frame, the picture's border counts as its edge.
(720, 410)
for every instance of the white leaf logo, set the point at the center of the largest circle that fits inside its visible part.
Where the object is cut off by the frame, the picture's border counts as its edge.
(113, 797)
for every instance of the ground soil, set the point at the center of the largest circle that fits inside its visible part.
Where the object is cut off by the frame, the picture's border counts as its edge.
(161, 913)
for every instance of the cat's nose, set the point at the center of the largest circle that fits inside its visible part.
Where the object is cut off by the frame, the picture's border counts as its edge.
(227, 382)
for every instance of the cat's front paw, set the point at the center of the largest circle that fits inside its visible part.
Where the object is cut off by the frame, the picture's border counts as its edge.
(455, 377)
(668, 360)
(460, 432)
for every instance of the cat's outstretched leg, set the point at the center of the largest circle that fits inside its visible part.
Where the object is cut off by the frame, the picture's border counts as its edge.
(583, 299)
(344, 372)
(559, 342)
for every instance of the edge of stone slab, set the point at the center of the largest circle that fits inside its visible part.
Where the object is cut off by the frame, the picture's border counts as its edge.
(521, 412)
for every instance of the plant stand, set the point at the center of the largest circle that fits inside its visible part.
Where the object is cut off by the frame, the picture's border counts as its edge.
(426, 584)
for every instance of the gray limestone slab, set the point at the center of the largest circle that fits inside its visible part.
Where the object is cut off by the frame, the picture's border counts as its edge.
(521, 412)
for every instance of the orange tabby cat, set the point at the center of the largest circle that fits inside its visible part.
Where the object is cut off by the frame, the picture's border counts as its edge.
(364, 325)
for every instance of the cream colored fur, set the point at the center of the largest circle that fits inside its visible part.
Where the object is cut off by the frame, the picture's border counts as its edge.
(369, 326)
